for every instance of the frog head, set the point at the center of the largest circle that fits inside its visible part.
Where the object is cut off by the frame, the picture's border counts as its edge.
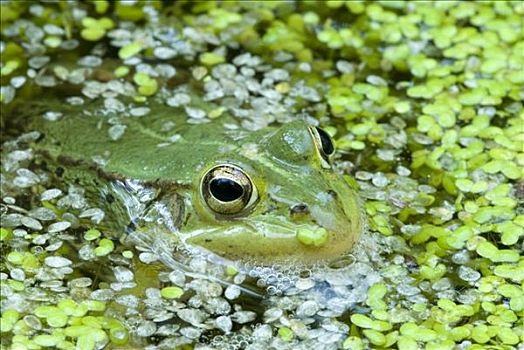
(274, 196)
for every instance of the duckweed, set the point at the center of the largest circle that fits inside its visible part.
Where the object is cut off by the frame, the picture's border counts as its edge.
(95, 29)
(424, 100)
(286, 334)
(92, 234)
(315, 237)
(105, 246)
(147, 86)
(129, 51)
(171, 292)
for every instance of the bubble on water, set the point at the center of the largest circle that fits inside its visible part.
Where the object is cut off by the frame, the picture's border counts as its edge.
(422, 139)
(81, 282)
(14, 158)
(86, 252)
(18, 81)
(123, 274)
(164, 53)
(272, 314)
(50, 194)
(410, 230)
(91, 88)
(29, 136)
(139, 111)
(9, 200)
(96, 214)
(468, 274)
(54, 246)
(195, 301)
(242, 317)
(442, 284)
(45, 80)
(90, 61)
(191, 332)
(167, 330)
(469, 296)
(12, 220)
(460, 257)
(174, 138)
(74, 199)
(168, 126)
(345, 67)
(17, 274)
(113, 104)
(195, 113)
(25, 178)
(41, 239)
(53, 29)
(75, 100)
(31, 223)
(304, 283)
(24, 182)
(115, 132)
(198, 264)
(52, 116)
(148, 257)
(239, 278)
(386, 154)
(19, 232)
(198, 121)
(38, 62)
(213, 90)
(407, 289)
(153, 294)
(177, 277)
(57, 261)
(194, 317)
(277, 74)
(102, 294)
(247, 59)
(33, 322)
(146, 329)
(218, 306)
(380, 180)
(232, 292)
(58, 226)
(247, 72)
(224, 323)
(363, 175)
(307, 309)
(262, 332)
(308, 93)
(127, 300)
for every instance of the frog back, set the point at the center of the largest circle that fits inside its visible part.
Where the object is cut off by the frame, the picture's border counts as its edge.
(161, 146)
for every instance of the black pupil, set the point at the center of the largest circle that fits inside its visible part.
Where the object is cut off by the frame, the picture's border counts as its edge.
(225, 190)
(327, 145)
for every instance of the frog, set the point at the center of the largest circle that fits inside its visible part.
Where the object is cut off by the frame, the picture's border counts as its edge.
(269, 196)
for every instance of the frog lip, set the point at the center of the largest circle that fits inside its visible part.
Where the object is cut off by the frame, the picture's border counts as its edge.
(271, 243)
(276, 228)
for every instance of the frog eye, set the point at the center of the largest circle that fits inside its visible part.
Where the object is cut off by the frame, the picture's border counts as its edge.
(323, 142)
(227, 190)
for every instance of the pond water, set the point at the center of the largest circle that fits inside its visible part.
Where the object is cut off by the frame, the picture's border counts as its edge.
(423, 101)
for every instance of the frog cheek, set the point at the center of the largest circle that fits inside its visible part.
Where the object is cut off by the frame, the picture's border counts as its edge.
(334, 231)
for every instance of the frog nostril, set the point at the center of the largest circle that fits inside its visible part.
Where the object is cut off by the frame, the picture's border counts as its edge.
(299, 209)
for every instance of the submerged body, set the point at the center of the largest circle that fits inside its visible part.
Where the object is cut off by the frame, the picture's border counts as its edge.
(266, 196)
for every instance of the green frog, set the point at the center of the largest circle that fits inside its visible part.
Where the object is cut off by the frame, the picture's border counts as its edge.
(211, 186)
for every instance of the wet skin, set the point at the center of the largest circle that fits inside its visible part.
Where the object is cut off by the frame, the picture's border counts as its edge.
(269, 195)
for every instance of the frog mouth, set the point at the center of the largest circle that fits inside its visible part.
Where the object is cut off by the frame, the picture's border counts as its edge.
(272, 240)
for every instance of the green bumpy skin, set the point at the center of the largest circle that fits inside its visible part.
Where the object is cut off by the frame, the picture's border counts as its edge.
(284, 164)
